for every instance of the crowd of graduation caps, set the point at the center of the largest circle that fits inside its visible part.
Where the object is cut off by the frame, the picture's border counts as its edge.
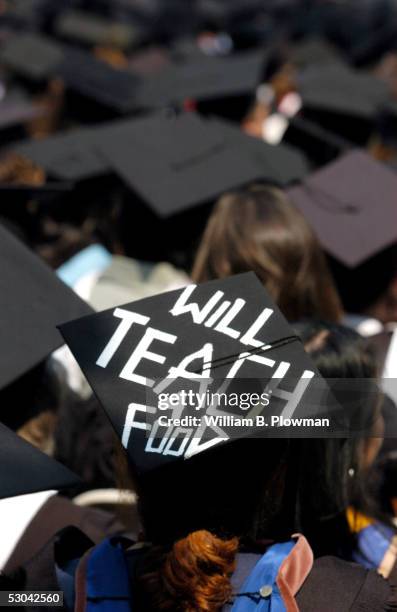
(148, 143)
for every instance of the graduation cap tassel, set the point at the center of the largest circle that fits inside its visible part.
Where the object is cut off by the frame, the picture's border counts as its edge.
(254, 351)
(333, 205)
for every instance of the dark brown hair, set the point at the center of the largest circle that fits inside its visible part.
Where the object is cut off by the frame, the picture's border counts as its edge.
(258, 229)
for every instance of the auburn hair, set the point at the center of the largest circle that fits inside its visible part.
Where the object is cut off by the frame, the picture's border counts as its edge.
(259, 229)
(193, 576)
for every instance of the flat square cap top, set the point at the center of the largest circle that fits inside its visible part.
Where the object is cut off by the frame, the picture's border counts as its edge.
(225, 10)
(32, 55)
(352, 206)
(201, 337)
(314, 51)
(33, 301)
(25, 469)
(91, 77)
(204, 79)
(92, 29)
(207, 158)
(68, 156)
(336, 88)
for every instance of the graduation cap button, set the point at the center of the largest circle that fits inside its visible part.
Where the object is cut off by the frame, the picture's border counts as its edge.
(265, 591)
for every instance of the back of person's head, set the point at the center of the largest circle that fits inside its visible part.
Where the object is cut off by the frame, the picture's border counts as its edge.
(218, 490)
(337, 351)
(259, 229)
(371, 288)
(348, 363)
(199, 513)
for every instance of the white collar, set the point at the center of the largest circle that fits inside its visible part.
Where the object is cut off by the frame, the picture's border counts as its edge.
(390, 369)
(16, 513)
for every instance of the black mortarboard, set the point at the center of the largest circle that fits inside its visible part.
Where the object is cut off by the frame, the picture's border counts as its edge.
(21, 11)
(140, 8)
(205, 338)
(33, 56)
(281, 164)
(91, 29)
(32, 302)
(207, 157)
(351, 205)
(342, 100)
(66, 156)
(138, 148)
(30, 15)
(314, 51)
(25, 469)
(224, 12)
(341, 89)
(168, 20)
(93, 78)
(204, 80)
